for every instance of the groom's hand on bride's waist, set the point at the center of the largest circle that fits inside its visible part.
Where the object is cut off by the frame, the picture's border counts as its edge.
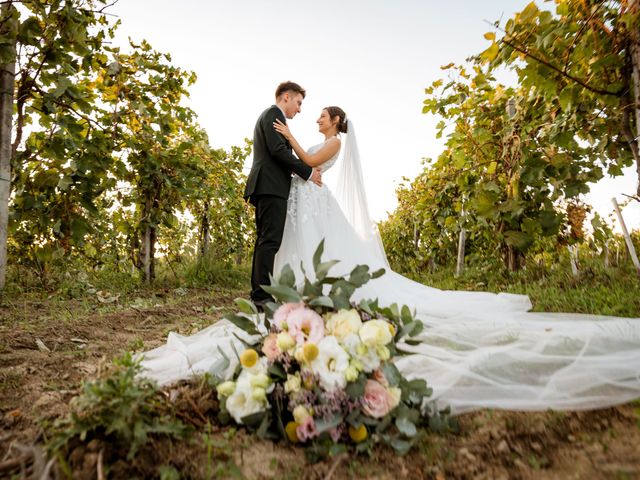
(316, 177)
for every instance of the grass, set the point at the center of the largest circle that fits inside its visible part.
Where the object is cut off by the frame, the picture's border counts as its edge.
(596, 290)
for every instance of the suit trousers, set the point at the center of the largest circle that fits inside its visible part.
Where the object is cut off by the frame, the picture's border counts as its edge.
(271, 213)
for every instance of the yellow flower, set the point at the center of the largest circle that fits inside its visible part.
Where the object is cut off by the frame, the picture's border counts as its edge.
(351, 373)
(383, 353)
(259, 394)
(300, 414)
(293, 383)
(249, 358)
(392, 329)
(358, 434)
(226, 388)
(310, 352)
(285, 341)
(290, 430)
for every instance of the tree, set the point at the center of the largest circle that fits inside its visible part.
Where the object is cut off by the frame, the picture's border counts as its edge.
(583, 64)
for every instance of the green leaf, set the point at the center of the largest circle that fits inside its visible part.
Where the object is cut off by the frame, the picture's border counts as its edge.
(400, 446)
(326, 425)
(323, 268)
(519, 240)
(277, 370)
(243, 323)
(406, 427)
(283, 293)
(391, 373)
(318, 255)
(378, 273)
(246, 306)
(322, 302)
(287, 277)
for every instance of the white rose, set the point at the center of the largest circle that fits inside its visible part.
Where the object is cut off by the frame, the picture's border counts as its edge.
(375, 333)
(241, 402)
(330, 364)
(344, 323)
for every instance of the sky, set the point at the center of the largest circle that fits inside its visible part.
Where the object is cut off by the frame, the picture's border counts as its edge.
(373, 58)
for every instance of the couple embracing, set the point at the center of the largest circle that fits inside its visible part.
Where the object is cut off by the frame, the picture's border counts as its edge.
(270, 181)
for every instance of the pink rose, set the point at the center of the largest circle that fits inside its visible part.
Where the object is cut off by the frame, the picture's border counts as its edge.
(282, 313)
(270, 347)
(379, 377)
(377, 400)
(307, 429)
(305, 326)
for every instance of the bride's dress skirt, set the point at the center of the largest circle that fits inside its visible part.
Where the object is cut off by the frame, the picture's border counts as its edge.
(478, 350)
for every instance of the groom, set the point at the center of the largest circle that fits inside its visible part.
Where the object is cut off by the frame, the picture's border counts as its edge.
(268, 184)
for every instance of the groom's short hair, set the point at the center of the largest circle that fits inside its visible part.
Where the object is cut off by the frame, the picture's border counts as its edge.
(290, 87)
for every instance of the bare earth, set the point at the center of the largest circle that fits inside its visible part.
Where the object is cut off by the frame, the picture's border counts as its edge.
(49, 346)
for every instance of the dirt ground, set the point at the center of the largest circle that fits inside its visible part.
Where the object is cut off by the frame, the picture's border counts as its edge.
(48, 346)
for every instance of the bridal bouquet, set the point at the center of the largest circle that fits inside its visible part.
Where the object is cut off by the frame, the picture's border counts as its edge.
(319, 369)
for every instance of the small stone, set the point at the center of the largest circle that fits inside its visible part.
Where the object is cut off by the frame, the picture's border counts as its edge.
(571, 438)
(520, 464)
(536, 446)
(503, 446)
(465, 453)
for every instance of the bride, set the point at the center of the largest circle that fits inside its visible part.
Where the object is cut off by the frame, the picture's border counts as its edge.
(479, 350)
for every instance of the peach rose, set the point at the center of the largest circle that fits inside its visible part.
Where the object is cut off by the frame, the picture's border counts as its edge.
(377, 401)
(270, 347)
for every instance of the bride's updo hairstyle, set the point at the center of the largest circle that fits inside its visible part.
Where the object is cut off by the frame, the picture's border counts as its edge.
(342, 118)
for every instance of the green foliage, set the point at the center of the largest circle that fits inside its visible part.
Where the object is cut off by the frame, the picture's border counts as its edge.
(514, 156)
(106, 155)
(120, 408)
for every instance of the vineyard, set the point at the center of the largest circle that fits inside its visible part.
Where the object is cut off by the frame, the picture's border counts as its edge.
(120, 222)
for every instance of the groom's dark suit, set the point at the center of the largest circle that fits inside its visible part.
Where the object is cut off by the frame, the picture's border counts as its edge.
(268, 189)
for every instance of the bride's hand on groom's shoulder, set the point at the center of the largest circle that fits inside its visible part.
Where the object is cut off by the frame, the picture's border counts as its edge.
(282, 129)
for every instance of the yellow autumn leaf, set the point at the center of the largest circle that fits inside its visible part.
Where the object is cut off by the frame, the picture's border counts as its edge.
(490, 36)
(491, 53)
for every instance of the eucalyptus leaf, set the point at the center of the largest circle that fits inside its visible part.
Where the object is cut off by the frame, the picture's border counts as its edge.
(406, 427)
(243, 323)
(283, 293)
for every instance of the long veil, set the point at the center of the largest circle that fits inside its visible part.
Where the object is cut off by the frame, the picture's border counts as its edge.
(352, 198)
(486, 350)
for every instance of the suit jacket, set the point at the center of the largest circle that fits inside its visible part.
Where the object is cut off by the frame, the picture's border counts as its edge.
(273, 161)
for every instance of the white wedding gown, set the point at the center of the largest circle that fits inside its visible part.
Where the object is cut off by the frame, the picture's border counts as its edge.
(478, 350)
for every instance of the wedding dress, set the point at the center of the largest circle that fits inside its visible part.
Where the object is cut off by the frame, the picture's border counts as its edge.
(478, 350)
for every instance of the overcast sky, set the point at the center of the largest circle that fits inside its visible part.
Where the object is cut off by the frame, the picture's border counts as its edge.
(371, 57)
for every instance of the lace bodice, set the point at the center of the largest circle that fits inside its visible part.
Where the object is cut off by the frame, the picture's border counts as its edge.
(329, 163)
(308, 193)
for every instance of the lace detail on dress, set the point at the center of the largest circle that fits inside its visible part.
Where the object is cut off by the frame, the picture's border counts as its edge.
(303, 189)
